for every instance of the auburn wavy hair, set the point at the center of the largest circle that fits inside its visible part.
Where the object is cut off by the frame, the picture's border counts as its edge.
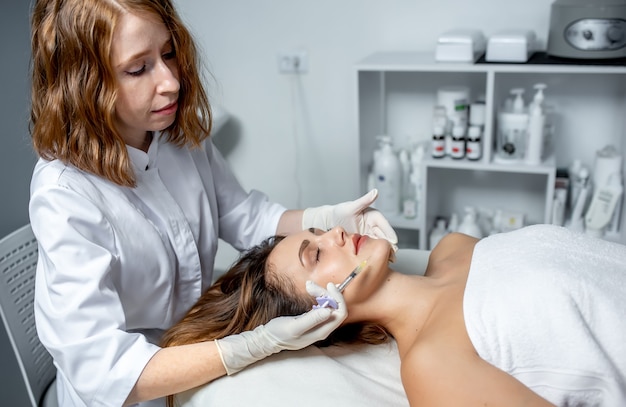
(73, 90)
(249, 294)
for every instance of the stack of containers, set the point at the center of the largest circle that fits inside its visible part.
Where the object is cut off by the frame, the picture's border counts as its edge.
(457, 126)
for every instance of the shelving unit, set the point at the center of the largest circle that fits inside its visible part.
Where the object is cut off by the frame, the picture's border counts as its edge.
(397, 94)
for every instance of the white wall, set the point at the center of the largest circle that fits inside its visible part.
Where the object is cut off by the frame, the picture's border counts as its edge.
(240, 41)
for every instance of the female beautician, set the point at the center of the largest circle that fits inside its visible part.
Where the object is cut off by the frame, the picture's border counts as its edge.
(129, 199)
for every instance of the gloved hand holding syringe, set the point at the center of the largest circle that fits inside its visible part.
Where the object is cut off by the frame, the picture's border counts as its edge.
(326, 301)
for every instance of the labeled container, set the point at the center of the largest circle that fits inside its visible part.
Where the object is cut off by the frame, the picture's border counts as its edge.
(457, 149)
(438, 145)
(473, 146)
(511, 136)
(455, 99)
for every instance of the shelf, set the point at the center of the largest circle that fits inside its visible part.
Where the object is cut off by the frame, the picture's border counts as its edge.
(425, 62)
(396, 94)
(546, 167)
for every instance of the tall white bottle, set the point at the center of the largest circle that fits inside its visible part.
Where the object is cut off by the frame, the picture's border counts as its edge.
(536, 124)
(388, 178)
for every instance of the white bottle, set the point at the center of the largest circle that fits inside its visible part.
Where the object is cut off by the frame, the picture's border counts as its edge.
(438, 148)
(469, 226)
(578, 207)
(457, 148)
(437, 233)
(536, 124)
(473, 147)
(409, 207)
(453, 225)
(518, 100)
(417, 169)
(388, 178)
(409, 198)
(602, 206)
(403, 156)
(575, 186)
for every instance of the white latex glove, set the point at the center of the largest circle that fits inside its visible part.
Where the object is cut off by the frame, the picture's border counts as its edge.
(283, 333)
(354, 216)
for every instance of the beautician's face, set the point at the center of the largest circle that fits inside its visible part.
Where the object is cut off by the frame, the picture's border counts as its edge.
(144, 61)
(331, 256)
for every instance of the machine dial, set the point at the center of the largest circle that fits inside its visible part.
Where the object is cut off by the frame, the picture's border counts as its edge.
(597, 34)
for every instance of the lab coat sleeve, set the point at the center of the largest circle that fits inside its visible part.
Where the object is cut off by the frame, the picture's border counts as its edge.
(245, 219)
(79, 315)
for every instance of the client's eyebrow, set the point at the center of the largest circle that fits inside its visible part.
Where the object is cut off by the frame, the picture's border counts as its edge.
(303, 246)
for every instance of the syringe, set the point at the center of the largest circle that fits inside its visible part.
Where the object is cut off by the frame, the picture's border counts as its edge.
(326, 301)
(351, 276)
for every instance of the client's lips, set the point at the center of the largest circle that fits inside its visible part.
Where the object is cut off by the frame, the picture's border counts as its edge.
(358, 241)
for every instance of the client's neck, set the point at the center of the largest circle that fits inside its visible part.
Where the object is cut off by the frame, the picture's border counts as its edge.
(402, 304)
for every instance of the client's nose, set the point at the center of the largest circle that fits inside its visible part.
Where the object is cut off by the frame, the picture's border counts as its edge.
(338, 235)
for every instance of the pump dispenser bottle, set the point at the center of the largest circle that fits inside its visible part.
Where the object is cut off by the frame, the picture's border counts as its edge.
(512, 130)
(518, 100)
(388, 177)
(469, 225)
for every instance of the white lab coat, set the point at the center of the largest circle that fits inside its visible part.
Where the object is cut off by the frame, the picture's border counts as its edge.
(118, 266)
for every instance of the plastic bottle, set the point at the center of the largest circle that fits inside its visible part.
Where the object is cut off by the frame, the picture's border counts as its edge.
(438, 149)
(403, 156)
(512, 128)
(539, 88)
(409, 198)
(453, 225)
(409, 207)
(417, 160)
(602, 206)
(457, 148)
(473, 146)
(440, 118)
(578, 207)
(388, 178)
(536, 124)
(437, 233)
(469, 226)
(518, 100)
(477, 113)
(575, 185)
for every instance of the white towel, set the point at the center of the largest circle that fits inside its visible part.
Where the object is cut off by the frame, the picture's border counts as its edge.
(547, 305)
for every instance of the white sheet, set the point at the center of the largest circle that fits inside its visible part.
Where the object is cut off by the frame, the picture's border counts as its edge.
(364, 375)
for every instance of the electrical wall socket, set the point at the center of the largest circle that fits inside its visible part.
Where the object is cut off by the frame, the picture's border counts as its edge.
(293, 62)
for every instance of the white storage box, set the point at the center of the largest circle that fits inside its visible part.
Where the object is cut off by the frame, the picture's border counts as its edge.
(462, 45)
(511, 46)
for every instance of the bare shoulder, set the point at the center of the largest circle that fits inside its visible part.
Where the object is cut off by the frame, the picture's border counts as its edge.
(437, 375)
(454, 251)
(452, 243)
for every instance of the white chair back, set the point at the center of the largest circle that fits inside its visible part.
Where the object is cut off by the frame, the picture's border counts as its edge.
(18, 263)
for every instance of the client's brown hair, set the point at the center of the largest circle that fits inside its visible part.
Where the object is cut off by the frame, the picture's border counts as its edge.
(250, 294)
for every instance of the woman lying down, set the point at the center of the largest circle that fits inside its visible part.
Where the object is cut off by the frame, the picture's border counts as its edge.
(532, 317)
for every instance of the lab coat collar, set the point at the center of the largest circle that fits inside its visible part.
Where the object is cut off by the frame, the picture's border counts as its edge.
(141, 161)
